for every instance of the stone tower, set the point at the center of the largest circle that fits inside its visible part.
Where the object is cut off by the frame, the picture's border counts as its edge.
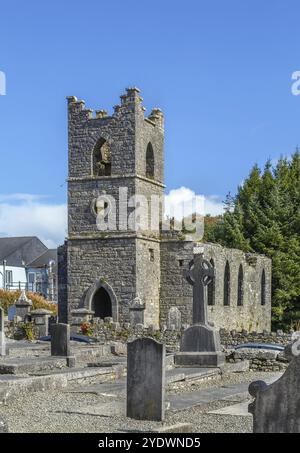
(112, 159)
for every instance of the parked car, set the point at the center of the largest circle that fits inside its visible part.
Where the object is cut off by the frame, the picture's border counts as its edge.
(273, 347)
(74, 337)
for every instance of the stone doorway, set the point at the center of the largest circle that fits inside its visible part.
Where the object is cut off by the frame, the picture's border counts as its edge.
(101, 304)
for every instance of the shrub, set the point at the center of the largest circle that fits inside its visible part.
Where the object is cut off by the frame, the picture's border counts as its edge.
(8, 298)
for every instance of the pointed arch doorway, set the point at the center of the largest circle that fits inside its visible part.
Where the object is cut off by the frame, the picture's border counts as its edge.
(101, 299)
(101, 304)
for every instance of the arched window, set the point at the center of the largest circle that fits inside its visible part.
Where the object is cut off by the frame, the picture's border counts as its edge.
(101, 158)
(227, 284)
(211, 288)
(240, 293)
(149, 162)
(263, 288)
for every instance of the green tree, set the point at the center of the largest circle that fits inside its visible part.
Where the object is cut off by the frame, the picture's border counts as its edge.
(264, 217)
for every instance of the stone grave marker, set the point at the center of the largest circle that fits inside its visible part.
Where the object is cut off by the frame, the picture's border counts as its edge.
(2, 334)
(276, 408)
(174, 319)
(136, 312)
(146, 379)
(60, 340)
(23, 306)
(12, 312)
(200, 343)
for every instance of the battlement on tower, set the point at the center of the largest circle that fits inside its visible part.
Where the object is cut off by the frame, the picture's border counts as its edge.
(130, 102)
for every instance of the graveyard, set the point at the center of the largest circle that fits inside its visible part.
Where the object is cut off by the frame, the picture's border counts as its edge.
(154, 331)
(141, 385)
(149, 223)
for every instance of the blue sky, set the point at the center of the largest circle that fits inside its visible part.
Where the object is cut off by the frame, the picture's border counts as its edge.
(221, 72)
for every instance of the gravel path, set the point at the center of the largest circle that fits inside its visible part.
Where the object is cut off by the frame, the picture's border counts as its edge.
(42, 412)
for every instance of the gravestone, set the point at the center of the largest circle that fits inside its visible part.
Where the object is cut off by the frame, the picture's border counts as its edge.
(200, 343)
(2, 334)
(23, 306)
(40, 318)
(3, 426)
(60, 340)
(12, 312)
(174, 319)
(276, 408)
(136, 312)
(146, 379)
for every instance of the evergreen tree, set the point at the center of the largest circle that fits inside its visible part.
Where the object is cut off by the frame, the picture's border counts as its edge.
(264, 217)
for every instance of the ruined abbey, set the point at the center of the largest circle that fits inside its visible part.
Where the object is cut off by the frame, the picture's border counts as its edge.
(108, 273)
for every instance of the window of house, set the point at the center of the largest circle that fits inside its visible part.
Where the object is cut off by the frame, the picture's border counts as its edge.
(9, 278)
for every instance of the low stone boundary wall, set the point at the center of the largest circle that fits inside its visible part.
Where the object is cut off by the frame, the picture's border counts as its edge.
(233, 338)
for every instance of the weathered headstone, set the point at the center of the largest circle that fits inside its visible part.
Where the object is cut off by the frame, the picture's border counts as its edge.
(60, 340)
(23, 306)
(174, 319)
(80, 316)
(146, 379)
(136, 312)
(200, 343)
(276, 408)
(3, 426)
(2, 334)
(40, 318)
(12, 312)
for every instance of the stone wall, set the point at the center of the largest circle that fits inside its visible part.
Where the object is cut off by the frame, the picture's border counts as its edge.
(233, 338)
(176, 291)
(148, 278)
(111, 261)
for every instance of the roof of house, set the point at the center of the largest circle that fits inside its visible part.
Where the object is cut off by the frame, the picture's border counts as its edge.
(19, 251)
(44, 259)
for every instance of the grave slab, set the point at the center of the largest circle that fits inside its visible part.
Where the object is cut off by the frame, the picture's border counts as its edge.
(30, 365)
(240, 409)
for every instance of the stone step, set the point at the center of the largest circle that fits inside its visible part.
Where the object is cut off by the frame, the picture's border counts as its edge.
(11, 386)
(31, 365)
(185, 374)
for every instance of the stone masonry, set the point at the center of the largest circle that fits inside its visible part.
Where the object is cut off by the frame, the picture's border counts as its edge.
(104, 271)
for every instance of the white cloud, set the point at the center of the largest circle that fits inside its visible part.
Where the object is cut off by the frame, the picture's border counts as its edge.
(183, 201)
(17, 197)
(27, 215)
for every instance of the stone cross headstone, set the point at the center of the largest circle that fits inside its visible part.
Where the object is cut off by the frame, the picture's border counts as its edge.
(200, 343)
(276, 408)
(60, 340)
(2, 334)
(199, 276)
(174, 319)
(146, 379)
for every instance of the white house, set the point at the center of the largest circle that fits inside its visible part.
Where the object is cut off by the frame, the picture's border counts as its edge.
(15, 254)
(15, 277)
